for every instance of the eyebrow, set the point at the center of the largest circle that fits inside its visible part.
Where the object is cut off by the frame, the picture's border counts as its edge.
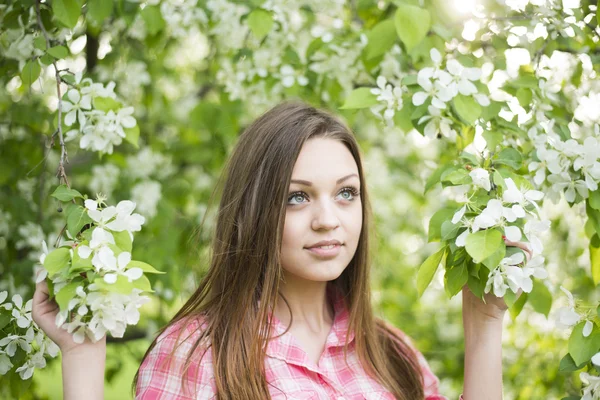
(307, 183)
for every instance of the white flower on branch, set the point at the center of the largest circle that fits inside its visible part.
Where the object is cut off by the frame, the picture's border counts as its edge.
(437, 124)
(5, 364)
(74, 107)
(592, 389)
(125, 221)
(481, 178)
(36, 360)
(22, 314)
(462, 78)
(119, 266)
(12, 341)
(437, 90)
(566, 317)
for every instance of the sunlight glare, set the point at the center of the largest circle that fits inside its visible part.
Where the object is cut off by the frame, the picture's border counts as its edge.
(465, 6)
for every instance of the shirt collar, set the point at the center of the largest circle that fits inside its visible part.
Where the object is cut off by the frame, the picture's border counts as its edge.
(286, 347)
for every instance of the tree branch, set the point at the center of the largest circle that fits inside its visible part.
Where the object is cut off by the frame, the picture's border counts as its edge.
(61, 174)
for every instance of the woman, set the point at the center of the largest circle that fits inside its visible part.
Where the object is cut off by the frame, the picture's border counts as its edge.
(285, 308)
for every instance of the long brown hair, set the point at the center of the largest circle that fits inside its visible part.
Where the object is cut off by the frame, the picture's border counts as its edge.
(242, 283)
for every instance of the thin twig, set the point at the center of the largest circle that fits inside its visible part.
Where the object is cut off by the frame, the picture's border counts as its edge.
(61, 174)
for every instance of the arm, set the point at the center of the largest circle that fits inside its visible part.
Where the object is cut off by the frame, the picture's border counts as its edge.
(82, 364)
(83, 371)
(482, 323)
(483, 352)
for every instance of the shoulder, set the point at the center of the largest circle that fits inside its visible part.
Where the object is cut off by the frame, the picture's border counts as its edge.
(430, 380)
(177, 359)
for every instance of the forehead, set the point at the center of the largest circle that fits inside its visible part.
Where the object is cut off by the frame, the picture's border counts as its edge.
(324, 159)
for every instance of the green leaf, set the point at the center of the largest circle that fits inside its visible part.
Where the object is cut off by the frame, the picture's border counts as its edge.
(498, 179)
(30, 73)
(412, 24)
(123, 240)
(594, 199)
(510, 298)
(122, 285)
(466, 108)
(524, 95)
(66, 294)
(493, 261)
(455, 278)
(540, 298)
(67, 12)
(469, 157)
(132, 135)
(99, 10)
(56, 260)
(510, 157)
(153, 19)
(58, 52)
(482, 244)
(260, 22)
(598, 13)
(477, 283)
(143, 283)
(517, 307)
(77, 218)
(360, 98)
(428, 268)
(79, 264)
(436, 221)
(567, 364)
(435, 177)
(456, 176)
(106, 104)
(147, 268)
(5, 318)
(63, 193)
(583, 348)
(492, 139)
(595, 258)
(39, 43)
(593, 215)
(381, 38)
(449, 230)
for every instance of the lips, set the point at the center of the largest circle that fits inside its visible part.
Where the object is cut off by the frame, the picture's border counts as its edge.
(325, 249)
(325, 243)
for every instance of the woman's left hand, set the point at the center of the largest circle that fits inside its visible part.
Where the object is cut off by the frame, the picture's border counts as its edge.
(494, 307)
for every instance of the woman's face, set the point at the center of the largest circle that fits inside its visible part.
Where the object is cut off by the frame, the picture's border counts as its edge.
(323, 204)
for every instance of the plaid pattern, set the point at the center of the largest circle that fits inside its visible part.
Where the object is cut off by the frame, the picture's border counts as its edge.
(290, 373)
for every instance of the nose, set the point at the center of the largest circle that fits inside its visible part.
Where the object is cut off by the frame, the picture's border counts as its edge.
(325, 217)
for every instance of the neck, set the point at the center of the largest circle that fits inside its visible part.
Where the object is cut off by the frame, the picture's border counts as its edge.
(308, 303)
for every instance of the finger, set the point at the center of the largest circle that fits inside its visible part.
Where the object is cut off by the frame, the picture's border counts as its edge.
(523, 246)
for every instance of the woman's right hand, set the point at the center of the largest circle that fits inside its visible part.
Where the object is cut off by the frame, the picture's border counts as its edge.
(44, 313)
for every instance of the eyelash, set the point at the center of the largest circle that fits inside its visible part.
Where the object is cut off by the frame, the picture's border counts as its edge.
(354, 191)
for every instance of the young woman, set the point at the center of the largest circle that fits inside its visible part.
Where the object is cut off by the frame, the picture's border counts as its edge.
(284, 311)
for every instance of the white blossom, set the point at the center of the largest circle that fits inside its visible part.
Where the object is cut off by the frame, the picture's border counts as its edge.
(481, 178)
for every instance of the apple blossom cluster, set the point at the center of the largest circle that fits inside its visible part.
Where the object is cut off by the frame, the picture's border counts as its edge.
(575, 316)
(261, 74)
(570, 166)
(21, 339)
(96, 117)
(96, 284)
(513, 211)
(438, 85)
(107, 300)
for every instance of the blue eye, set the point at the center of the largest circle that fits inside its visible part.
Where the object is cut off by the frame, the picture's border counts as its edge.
(296, 195)
(350, 191)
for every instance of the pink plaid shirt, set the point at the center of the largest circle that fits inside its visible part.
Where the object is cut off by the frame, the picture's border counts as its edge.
(288, 369)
